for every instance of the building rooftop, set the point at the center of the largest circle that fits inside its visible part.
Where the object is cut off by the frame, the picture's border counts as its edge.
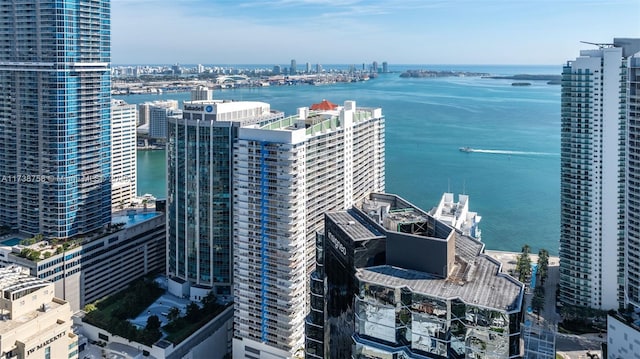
(457, 214)
(475, 279)
(14, 279)
(354, 226)
(15, 284)
(43, 248)
(7, 325)
(397, 215)
(321, 120)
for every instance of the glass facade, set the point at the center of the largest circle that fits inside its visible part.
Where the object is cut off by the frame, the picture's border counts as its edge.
(375, 308)
(400, 323)
(55, 116)
(199, 202)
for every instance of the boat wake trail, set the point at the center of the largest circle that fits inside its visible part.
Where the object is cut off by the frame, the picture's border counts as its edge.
(504, 152)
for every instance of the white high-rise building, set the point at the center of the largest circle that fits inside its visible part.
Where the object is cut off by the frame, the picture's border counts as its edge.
(600, 192)
(631, 52)
(286, 175)
(123, 153)
(622, 327)
(201, 93)
(592, 175)
(144, 109)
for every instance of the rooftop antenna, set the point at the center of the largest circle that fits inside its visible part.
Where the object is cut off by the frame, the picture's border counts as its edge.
(601, 45)
(448, 185)
(464, 184)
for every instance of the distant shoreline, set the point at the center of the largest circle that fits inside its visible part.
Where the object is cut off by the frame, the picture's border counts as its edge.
(433, 73)
(527, 77)
(551, 79)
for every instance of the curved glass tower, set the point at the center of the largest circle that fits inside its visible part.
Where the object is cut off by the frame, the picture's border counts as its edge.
(55, 116)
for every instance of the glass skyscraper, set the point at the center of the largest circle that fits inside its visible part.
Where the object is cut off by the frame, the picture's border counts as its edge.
(55, 116)
(392, 281)
(199, 202)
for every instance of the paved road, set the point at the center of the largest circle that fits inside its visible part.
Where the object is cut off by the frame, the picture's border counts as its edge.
(572, 346)
(568, 345)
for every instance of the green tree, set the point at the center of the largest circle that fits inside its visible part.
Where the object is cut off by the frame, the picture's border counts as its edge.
(153, 323)
(537, 303)
(34, 255)
(209, 300)
(173, 314)
(523, 264)
(193, 312)
(543, 265)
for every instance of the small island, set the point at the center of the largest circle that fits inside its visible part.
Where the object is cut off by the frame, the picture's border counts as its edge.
(551, 79)
(521, 84)
(433, 73)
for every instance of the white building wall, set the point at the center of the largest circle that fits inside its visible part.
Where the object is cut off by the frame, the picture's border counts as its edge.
(285, 178)
(594, 148)
(269, 240)
(606, 248)
(623, 340)
(632, 230)
(123, 154)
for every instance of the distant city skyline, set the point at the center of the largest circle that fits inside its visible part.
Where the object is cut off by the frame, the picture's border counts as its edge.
(356, 31)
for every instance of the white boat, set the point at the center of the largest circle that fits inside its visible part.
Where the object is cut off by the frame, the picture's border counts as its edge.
(466, 149)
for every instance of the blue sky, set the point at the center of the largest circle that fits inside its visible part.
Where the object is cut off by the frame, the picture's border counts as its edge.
(362, 31)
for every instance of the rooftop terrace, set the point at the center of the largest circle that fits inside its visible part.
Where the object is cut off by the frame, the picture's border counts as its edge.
(320, 120)
(475, 279)
(38, 247)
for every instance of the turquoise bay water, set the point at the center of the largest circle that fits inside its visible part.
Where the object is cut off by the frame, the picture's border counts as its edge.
(513, 178)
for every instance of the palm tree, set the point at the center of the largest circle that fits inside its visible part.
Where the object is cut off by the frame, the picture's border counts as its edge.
(173, 314)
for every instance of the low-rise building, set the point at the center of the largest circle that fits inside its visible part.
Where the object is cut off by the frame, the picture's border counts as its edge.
(89, 268)
(35, 324)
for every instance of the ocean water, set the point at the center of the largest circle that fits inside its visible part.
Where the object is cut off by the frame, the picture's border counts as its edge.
(512, 177)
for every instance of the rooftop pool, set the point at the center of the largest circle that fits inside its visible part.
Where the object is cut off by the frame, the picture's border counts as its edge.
(132, 219)
(11, 242)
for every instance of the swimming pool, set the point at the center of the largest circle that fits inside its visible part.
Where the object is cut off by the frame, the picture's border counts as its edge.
(11, 241)
(132, 220)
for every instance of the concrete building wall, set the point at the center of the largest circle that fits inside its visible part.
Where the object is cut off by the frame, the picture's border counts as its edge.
(104, 265)
(623, 340)
(123, 154)
(35, 324)
(591, 172)
(287, 174)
